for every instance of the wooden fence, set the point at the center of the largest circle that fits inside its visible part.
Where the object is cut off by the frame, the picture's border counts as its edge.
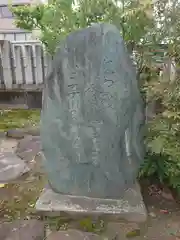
(23, 65)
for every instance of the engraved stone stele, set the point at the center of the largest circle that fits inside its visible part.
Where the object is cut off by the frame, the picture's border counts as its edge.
(92, 127)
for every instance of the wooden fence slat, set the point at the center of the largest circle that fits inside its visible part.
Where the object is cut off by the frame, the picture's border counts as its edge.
(6, 63)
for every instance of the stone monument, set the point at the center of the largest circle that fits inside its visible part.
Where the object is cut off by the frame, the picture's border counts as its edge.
(92, 127)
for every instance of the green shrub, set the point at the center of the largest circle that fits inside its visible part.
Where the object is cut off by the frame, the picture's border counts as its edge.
(163, 138)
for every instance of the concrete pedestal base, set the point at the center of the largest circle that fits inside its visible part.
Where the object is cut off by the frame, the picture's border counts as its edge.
(131, 207)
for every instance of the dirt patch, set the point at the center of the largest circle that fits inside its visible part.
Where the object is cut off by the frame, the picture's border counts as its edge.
(18, 200)
(157, 196)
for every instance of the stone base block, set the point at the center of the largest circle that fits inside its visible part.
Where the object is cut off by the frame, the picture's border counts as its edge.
(131, 207)
(73, 235)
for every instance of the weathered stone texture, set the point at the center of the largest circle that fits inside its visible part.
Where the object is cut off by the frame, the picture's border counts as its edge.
(92, 118)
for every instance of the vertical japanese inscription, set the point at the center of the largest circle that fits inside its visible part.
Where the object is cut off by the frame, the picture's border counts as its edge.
(96, 143)
(74, 109)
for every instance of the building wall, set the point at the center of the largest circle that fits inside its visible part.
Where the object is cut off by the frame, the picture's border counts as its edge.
(6, 2)
(8, 30)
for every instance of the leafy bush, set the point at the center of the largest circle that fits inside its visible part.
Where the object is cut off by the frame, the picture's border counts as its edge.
(163, 138)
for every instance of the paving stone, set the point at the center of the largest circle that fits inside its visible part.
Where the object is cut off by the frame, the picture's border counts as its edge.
(3, 134)
(28, 147)
(11, 167)
(34, 131)
(22, 230)
(8, 145)
(4, 230)
(20, 133)
(73, 235)
(16, 133)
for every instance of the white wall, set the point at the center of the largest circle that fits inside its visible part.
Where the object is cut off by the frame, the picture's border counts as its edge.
(6, 2)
